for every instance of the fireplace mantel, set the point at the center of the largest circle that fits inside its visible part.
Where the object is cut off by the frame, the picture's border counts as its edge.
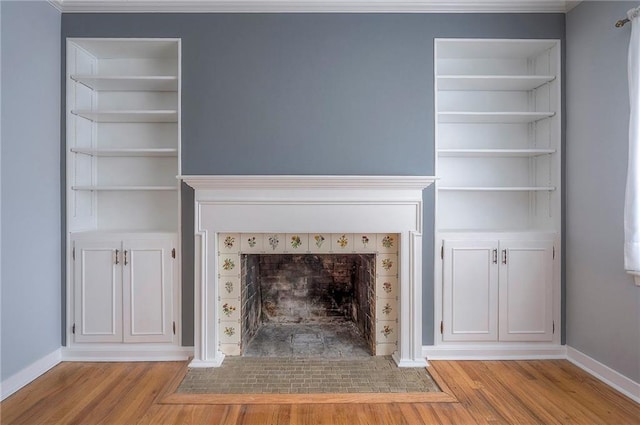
(332, 204)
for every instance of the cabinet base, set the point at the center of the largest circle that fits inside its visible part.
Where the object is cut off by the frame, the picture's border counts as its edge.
(122, 353)
(494, 352)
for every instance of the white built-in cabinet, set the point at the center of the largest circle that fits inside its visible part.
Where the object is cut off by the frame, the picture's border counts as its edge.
(123, 197)
(497, 290)
(497, 142)
(123, 290)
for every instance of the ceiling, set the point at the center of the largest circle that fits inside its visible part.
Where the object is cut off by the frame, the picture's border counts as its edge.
(310, 6)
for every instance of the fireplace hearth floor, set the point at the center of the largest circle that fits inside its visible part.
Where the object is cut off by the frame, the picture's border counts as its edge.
(329, 341)
(251, 375)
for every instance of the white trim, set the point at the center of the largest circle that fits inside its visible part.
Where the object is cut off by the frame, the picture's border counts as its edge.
(305, 204)
(29, 373)
(494, 352)
(310, 6)
(605, 374)
(121, 353)
(216, 361)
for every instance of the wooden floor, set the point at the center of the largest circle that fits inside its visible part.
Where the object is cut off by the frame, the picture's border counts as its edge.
(496, 392)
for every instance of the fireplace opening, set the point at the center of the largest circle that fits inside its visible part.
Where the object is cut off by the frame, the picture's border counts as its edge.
(308, 305)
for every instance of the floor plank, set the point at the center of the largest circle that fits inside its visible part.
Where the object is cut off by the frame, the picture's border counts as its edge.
(488, 392)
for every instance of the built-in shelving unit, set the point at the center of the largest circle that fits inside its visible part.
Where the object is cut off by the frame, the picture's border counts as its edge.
(498, 140)
(123, 197)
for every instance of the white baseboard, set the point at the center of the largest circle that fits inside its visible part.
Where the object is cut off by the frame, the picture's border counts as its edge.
(120, 353)
(29, 373)
(604, 373)
(494, 352)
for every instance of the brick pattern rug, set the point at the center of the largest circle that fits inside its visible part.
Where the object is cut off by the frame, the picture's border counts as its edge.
(251, 375)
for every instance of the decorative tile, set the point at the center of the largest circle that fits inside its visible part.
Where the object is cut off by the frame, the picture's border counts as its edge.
(364, 242)
(386, 309)
(229, 287)
(229, 309)
(274, 243)
(230, 332)
(386, 331)
(297, 242)
(251, 242)
(228, 264)
(230, 349)
(229, 243)
(387, 243)
(319, 243)
(386, 349)
(387, 287)
(342, 242)
(387, 264)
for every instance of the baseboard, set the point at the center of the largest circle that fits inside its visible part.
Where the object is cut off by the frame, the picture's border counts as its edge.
(29, 373)
(122, 353)
(604, 373)
(494, 352)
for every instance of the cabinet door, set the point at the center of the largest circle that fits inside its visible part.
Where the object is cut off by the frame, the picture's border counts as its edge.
(147, 290)
(97, 291)
(526, 290)
(470, 277)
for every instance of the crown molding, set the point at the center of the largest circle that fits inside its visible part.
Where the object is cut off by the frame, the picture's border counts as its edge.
(313, 6)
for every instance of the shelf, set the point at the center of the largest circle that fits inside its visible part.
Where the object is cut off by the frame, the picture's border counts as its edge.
(128, 83)
(128, 116)
(124, 188)
(169, 152)
(493, 82)
(492, 117)
(494, 152)
(497, 188)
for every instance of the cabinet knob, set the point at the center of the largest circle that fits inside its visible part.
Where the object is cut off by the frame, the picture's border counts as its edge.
(125, 257)
(504, 256)
(495, 256)
(117, 254)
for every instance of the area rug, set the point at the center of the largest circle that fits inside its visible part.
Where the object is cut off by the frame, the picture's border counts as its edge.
(373, 379)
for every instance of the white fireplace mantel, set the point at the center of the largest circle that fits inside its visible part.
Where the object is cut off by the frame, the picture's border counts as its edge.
(332, 204)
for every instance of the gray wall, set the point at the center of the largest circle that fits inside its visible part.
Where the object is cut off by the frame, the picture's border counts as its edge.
(603, 305)
(30, 178)
(309, 94)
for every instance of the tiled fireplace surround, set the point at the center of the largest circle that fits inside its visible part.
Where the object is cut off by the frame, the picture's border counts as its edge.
(232, 245)
(306, 206)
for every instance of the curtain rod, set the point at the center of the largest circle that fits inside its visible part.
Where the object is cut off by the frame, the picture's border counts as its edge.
(621, 22)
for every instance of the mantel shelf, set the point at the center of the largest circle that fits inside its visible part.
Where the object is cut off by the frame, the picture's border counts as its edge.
(494, 152)
(128, 82)
(304, 182)
(125, 188)
(128, 116)
(497, 188)
(493, 82)
(492, 117)
(143, 152)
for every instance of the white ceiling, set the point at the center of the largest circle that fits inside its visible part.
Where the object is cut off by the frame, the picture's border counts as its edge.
(310, 6)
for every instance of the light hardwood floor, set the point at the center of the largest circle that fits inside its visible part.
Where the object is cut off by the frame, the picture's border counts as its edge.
(491, 392)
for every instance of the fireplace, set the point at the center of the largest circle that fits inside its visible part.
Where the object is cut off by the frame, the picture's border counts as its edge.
(306, 206)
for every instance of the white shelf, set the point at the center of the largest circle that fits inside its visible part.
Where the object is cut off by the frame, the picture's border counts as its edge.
(128, 83)
(128, 116)
(494, 152)
(492, 117)
(497, 188)
(493, 82)
(169, 152)
(125, 188)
